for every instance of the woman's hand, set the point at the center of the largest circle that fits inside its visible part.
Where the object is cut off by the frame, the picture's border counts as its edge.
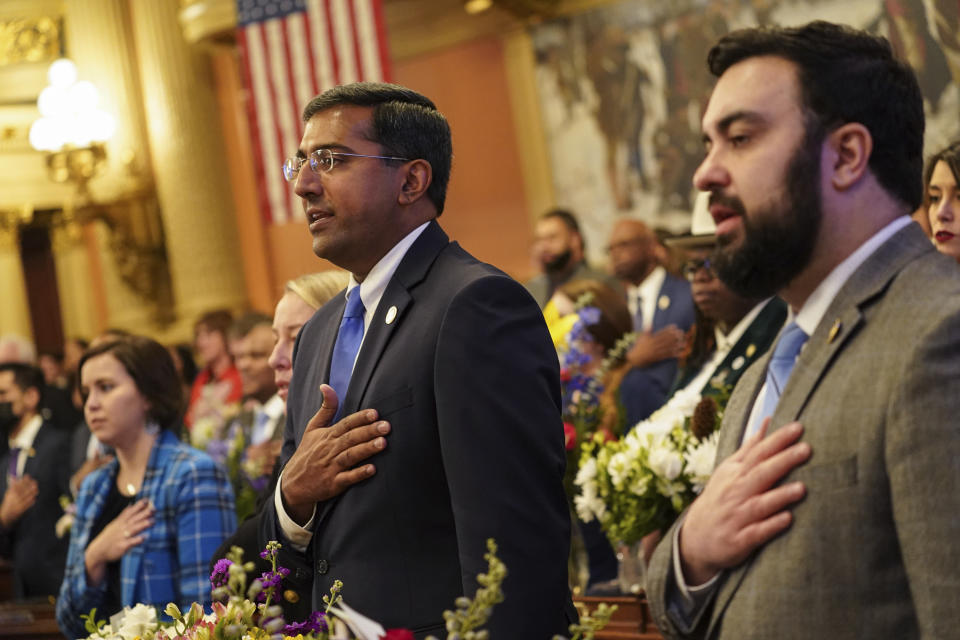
(122, 534)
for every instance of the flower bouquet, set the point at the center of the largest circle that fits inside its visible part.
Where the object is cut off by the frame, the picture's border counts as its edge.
(249, 613)
(640, 483)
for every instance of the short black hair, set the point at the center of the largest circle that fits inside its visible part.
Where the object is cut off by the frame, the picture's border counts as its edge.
(847, 75)
(25, 376)
(151, 367)
(950, 156)
(569, 221)
(405, 123)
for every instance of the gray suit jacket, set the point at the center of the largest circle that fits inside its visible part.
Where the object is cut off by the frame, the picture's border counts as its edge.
(873, 550)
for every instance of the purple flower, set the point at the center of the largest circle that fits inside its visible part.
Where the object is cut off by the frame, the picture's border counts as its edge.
(271, 581)
(316, 623)
(221, 572)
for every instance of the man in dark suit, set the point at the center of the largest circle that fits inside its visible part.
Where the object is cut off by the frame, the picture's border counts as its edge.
(662, 310)
(560, 250)
(33, 476)
(834, 510)
(460, 438)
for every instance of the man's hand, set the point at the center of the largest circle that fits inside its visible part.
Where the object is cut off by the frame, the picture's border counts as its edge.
(649, 348)
(325, 463)
(20, 495)
(738, 511)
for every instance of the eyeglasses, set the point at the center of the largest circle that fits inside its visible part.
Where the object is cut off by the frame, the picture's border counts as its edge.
(692, 267)
(322, 161)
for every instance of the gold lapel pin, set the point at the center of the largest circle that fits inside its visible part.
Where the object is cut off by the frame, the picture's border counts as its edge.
(834, 331)
(751, 349)
(391, 315)
(663, 302)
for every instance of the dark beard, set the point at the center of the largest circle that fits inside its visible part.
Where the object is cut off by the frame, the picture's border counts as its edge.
(777, 243)
(559, 263)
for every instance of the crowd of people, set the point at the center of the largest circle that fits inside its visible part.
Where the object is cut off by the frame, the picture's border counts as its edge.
(391, 417)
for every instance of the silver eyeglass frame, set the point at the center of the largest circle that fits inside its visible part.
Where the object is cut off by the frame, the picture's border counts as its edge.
(323, 161)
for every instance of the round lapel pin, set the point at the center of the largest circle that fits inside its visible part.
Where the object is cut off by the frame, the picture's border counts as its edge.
(391, 315)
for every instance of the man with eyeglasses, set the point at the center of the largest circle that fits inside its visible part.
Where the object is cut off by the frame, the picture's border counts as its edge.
(732, 331)
(423, 414)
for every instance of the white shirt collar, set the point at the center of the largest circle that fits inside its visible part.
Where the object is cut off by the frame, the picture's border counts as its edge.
(648, 293)
(813, 310)
(25, 438)
(274, 407)
(373, 286)
(726, 341)
(651, 285)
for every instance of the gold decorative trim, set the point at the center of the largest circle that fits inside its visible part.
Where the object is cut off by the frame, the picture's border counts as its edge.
(30, 40)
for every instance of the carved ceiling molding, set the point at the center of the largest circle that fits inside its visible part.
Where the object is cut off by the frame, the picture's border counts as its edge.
(34, 39)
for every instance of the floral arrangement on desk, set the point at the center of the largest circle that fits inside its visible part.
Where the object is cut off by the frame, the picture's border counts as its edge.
(581, 379)
(640, 483)
(219, 434)
(248, 613)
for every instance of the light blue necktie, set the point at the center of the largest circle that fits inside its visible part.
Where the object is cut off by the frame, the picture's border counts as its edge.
(346, 347)
(778, 371)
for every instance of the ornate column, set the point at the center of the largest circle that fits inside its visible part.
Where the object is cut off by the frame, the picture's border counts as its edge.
(187, 148)
(102, 47)
(14, 310)
(77, 304)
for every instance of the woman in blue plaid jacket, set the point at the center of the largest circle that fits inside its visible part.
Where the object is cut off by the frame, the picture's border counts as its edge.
(148, 521)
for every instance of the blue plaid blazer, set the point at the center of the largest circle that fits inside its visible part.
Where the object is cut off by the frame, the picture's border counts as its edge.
(194, 515)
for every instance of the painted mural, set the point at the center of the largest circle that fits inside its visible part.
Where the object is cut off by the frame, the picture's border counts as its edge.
(622, 89)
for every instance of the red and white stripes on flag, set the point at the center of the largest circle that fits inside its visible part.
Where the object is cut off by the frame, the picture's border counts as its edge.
(293, 50)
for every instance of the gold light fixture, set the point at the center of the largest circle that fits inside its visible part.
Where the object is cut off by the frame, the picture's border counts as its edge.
(72, 132)
(474, 7)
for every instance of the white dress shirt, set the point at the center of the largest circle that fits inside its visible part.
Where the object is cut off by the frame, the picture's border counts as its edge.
(644, 297)
(24, 441)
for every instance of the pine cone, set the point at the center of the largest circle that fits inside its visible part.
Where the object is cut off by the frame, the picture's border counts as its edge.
(704, 419)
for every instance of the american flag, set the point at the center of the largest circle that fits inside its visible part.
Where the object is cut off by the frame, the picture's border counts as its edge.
(293, 50)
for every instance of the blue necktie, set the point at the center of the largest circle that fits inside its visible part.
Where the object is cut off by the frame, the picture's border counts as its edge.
(346, 347)
(778, 371)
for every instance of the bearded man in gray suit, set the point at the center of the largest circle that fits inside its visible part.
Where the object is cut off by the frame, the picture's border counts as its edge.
(835, 510)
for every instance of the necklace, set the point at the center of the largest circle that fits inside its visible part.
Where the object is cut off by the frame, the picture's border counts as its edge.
(131, 490)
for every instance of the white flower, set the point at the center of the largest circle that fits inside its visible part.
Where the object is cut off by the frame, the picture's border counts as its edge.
(664, 460)
(700, 459)
(588, 505)
(587, 471)
(619, 469)
(137, 622)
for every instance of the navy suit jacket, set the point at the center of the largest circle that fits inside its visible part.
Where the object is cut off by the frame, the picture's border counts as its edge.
(458, 359)
(649, 386)
(31, 543)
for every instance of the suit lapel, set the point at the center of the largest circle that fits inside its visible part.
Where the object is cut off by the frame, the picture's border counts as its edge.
(393, 305)
(412, 270)
(152, 478)
(844, 316)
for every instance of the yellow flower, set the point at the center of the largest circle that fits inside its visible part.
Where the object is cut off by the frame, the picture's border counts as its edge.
(559, 326)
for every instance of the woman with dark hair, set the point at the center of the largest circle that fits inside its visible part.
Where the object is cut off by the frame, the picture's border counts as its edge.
(941, 199)
(148, 521)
